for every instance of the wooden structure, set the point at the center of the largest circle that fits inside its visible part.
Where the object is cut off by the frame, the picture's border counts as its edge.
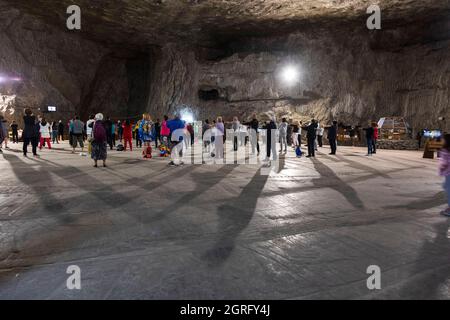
(393, 128)
(432, 146)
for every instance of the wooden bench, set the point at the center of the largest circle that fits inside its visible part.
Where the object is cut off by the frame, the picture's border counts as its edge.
(431, 147)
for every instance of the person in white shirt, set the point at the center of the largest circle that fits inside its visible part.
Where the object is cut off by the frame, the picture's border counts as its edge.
(282, 130)
(320, 131)
(44, 130)
(89, 132)
(90, 126)
(236, 125)
(316, 141)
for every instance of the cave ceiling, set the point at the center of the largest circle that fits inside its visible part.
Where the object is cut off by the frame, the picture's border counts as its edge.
(210, 23)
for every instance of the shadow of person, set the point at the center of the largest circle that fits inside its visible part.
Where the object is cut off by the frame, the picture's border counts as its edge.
(422, 204)
(234, 218)
(360, 166)
(281, 163)
(203, 182)
(329, 179)
(38, 181)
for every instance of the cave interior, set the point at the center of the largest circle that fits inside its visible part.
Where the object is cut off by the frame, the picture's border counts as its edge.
(228, 58)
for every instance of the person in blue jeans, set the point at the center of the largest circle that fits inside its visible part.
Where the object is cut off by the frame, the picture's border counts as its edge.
(369, 137)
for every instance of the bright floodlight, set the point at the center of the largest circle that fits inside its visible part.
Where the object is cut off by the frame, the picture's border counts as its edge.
(290, 75)
(2, 79)
(187, 116)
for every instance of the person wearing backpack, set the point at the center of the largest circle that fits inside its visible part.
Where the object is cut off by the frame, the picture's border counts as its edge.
(77, 128)
(99, 145)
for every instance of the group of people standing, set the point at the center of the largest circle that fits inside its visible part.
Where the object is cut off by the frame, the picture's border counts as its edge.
(38, 132)
(371, 138)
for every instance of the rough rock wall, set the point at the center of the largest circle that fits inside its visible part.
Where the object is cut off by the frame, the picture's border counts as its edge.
(348, 78)
(62, 69)
(54, 69)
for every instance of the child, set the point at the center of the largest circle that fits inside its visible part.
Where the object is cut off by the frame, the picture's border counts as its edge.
(444, 170)
(164, 149)
(145, 134)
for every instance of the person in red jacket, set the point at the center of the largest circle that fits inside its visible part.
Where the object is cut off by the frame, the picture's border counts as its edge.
(375, 137)
(128, 134)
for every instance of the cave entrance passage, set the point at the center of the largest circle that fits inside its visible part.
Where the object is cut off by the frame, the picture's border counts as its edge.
(207, 95)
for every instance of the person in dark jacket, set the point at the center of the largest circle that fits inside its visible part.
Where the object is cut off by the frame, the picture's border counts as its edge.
(271, 128)
(108, 127)
(311, 137)
(15, 132)
(157, 127)
(332, 137)
(60, 130)
(30, 132)
(369, 138)
(254, 135)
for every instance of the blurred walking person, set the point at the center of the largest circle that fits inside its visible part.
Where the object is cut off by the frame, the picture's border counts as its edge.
(444, 170)
(5, 129)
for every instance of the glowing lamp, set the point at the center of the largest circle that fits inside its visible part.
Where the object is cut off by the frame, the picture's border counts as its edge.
(290, 75)
(187, 116)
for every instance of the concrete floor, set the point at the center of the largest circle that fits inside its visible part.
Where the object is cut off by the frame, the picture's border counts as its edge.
(142, 230)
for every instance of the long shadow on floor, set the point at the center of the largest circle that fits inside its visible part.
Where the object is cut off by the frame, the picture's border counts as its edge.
(38, 180)
(234, 218)
(358, 166)
(436, 200)
(202, 185)
(329, 179)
